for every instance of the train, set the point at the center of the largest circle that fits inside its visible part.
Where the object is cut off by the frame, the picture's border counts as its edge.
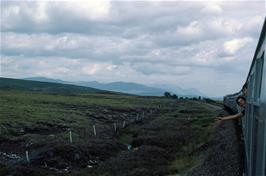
(254, 122)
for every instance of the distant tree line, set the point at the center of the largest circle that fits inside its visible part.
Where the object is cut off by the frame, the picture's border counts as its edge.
(169, 95)
(199, 98)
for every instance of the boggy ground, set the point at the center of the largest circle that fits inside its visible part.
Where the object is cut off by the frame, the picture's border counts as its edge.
(134, 135)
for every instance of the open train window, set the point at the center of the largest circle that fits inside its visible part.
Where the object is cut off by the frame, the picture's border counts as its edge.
(251, 86)
(258, 79)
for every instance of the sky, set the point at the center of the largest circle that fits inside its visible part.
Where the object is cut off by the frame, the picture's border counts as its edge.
(207, 45)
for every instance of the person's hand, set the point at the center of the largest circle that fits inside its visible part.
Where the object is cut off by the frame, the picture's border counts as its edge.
(218, 120)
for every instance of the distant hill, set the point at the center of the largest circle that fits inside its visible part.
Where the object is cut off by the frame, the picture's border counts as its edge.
(127, 87)
(27, 85)
(44, 79)
(123, 87)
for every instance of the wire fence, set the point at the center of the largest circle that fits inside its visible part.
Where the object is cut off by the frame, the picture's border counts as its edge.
(99, 130)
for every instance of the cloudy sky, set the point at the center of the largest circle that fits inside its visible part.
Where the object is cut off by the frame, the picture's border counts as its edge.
(207, 45)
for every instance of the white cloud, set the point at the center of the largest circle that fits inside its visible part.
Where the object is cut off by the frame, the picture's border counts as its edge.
(40, 14)
(212, 9)
(252, 24)
(193, 29)
(232, 46)
(92, 10)
(225, 26)
(96, 68)
(45, 15)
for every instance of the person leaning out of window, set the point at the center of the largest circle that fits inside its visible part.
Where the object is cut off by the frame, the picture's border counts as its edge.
(241, 101)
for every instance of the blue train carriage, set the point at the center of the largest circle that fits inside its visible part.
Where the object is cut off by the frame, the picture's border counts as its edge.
(254, 122)
(230, 102)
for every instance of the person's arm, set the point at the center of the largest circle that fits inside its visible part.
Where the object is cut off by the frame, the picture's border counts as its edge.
(236, 116)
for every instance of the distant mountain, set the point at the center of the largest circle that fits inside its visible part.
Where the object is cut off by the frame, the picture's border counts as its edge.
(127, 87)
(49, 87)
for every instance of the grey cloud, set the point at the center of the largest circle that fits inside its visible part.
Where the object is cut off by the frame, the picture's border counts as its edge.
(149, 16)
(179, 43)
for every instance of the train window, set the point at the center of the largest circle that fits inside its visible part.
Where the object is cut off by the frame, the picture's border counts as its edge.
(258, 78)
(261, 72)
(251, 86)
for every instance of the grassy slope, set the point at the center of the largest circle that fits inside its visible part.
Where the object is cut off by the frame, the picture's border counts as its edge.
(18, 84)
(24, 109)
(40, 119)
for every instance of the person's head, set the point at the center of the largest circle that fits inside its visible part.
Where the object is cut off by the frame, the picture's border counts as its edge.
(241, 101)
(245, 89)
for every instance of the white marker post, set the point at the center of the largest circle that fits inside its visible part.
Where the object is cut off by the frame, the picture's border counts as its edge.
(94, 130)
(70, 136)
(124, 124)
(27, 156)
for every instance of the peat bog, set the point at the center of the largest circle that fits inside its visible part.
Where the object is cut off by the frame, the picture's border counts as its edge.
(111, 134)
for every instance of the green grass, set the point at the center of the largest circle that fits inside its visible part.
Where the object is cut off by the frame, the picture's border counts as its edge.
(24, 109)
(182, 164)
(21, 110)
(18, 84)
(202, 125)
(127, 137)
